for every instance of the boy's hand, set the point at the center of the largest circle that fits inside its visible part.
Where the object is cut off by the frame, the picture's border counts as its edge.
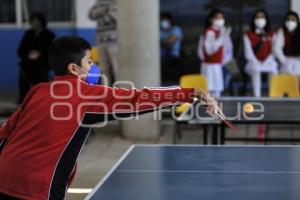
(212, 105)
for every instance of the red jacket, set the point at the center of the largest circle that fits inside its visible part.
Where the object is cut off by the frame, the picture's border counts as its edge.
(261, 45)
(216, 57)
(45, 135)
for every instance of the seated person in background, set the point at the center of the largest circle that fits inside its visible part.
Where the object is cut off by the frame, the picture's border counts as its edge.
(170, 40)
(215, 50)
(258, 50)
(287, 45)
(33, 52)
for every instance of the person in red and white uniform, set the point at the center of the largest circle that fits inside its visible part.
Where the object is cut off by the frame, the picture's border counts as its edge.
(40, 142)
(287, 45)
(258, 50)
(215, 50)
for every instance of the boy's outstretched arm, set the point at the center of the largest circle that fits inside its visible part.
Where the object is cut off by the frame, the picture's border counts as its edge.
(134, 100)
(151, 98)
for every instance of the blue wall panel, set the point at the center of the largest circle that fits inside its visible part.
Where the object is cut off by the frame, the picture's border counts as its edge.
(10, 39)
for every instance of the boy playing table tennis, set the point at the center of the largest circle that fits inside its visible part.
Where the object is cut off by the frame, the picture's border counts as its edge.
(40, 142)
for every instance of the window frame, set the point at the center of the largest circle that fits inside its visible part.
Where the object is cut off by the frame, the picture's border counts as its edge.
(19, 8)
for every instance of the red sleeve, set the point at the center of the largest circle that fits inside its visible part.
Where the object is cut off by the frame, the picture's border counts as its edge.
(119, 100)
(150, 98)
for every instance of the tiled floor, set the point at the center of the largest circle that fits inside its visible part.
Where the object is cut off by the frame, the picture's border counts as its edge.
(104, 149)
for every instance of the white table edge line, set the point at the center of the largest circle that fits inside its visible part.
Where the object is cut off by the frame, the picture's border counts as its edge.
(109, 173)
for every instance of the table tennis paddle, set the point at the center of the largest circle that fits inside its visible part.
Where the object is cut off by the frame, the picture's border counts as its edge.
(226, 122)
(221, 116)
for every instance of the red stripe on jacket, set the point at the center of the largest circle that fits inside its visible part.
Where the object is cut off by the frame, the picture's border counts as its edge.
(266, 44)
(216, 57)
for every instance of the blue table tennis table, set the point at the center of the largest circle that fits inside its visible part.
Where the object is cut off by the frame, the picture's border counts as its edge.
(150, 172)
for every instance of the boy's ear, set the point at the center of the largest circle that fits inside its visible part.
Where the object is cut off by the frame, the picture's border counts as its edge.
(72, 69)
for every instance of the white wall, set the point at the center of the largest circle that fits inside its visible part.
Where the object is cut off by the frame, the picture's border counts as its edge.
(82, 8)
(138, 36)
(295, 6)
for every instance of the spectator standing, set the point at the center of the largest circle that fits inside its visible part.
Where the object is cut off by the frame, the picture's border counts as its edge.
(171, 40)
(33, 53)
(215, 50)
(104, 12)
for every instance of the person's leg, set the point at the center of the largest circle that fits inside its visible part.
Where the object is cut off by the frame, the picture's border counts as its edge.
(207, 71)
(179, 73)
(165, 66)
(270, 75)
(104, 65)
(256, 83)
(174, 70)
(24, 85)
(271, 68)
(286, 68)
(214, 75)
(218, 80)
(112, 50)
(226, 76)
(254, 71)
(295, 66)
(170, 70)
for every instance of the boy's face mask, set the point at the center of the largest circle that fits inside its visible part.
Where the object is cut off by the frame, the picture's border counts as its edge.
(93, 75)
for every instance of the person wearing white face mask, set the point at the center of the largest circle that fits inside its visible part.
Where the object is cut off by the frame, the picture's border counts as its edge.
(215, 51)
(258, 50)
(287, 45)
(170, 39)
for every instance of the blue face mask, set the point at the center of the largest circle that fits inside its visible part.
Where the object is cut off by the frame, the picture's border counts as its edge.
(93, 75)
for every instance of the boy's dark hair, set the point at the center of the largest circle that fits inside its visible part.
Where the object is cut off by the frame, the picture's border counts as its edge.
(40, 17)
(212, 14)
(252, 22)
(65, 50)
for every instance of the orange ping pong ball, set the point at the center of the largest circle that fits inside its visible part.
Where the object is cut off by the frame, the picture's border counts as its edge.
(248, 108)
